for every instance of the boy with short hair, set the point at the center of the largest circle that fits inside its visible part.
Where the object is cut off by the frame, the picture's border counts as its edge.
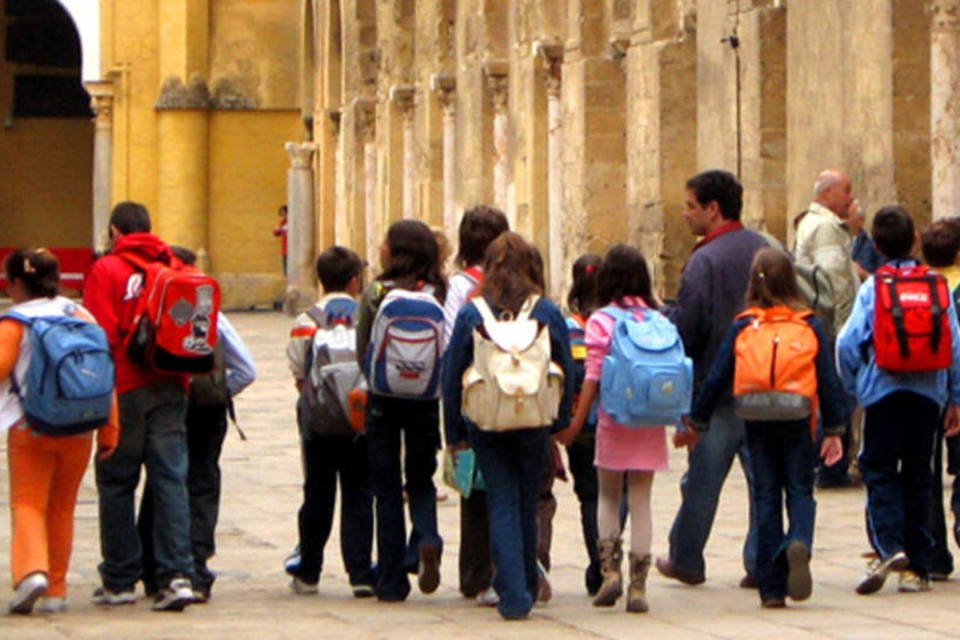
(941, 246)
(903, 413)
(327, 456)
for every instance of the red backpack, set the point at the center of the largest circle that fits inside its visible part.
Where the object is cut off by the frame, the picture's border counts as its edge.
(175, 324)
(911, 329)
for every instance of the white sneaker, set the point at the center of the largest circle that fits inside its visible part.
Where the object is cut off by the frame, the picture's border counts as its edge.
(102, 595)
(27, 593)
(303, 588)
(488, 598)
(51, 605)
(177, 595)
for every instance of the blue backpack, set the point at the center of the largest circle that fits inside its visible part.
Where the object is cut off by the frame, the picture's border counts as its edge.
(647, 379)
(70, 376)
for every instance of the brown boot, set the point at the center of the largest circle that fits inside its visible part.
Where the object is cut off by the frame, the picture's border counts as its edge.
(610, 558)
(637, 593)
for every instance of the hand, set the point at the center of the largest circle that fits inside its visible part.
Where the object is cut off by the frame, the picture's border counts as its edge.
(104, 452)
(831, 450)
(687, 437)
(951, 421)
(566, 437)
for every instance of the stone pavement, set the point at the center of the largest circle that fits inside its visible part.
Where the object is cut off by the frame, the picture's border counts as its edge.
(257, 529)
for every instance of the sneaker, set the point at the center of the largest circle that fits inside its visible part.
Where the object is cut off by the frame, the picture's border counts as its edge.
(544, 592)
(27, 592)
(201, 595)
(51, 605)
(488, 598)
(799, 581)
(668, 570)
(102, 595)
(429, 569)
(910, 582)
(748, 581)
(175, 597)
(291, 564)
(363, 590)
(304, 588)
(877, 570)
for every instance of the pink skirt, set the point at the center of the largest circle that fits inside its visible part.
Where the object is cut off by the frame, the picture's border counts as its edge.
(622, 448)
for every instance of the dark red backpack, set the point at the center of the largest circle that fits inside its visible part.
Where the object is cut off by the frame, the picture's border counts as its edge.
(911, 329)
(175, 324)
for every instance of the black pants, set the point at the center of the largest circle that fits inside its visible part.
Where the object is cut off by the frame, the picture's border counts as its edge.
(206, 431)
(580, 457)
(325, 458)
(942, 560)
(476, 571)
(898, 443)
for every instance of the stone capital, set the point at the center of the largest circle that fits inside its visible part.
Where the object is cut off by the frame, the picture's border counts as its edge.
(101, 101)
(499, 91)
(365, 119)
(946, 15)
(403, 95)
(300, 153)
(445, 86)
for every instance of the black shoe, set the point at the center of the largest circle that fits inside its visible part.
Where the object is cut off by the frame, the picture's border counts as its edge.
(799, 581)
(429, 568)
(748, 581)
(668, 570)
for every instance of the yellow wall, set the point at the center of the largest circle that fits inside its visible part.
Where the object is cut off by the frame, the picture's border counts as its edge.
(248, 182)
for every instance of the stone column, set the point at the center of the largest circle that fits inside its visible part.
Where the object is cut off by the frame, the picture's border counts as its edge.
(374, 234)
(445, 86)
(499, 95)
(301, 287)
(101, 100)
(945, 107)
(557, 276)
(407, 107)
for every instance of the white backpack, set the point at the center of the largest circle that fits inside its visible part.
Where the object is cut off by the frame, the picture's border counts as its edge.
(512, 383)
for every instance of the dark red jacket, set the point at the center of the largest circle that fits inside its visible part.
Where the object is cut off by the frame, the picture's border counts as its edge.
(111, 292)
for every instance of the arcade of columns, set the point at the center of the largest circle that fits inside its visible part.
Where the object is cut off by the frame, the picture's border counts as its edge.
(582, 119)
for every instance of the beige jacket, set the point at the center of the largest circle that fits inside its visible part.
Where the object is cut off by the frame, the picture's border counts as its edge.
(823, 240)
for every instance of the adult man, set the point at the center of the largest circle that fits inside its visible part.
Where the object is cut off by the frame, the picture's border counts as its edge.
(712, 291)
(824, 240)
(152, 434)
(865, 256)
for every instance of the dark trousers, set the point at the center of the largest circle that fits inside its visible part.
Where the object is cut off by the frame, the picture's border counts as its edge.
(206, 431)
(512, 464)
(418, 422)
(942, 562)
(476, 572)
(780, 455)
(898, 444)
(324, 460)
(580, 456)
(546, 508)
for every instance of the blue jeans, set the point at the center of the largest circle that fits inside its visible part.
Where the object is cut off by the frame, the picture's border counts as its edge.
(152, 434)
(419, 423)
(512, 465)
(780, 455)
(707, 467)
(896, 460)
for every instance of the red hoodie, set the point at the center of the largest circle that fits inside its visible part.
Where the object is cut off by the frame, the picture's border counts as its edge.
(111, 292)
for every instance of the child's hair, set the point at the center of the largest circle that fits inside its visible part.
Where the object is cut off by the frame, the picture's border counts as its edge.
(584, 293)
(538, 270)
(479, 226)
(512, 272)
(624, 273)
(185, 255)
(893, 232)
(773, 281)
(130, 217)
(414, 257)
(941, 242)
(337, 266)
(37, 269)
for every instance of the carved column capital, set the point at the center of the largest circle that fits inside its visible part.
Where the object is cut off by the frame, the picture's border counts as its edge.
(101, 101)
(301, 154)
(403, 95)
(498, 86)
(445, 86)
(365, 119)
(946, 15)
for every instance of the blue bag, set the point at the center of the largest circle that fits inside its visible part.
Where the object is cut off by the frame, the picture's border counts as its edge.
(70, 376)
(647, 379)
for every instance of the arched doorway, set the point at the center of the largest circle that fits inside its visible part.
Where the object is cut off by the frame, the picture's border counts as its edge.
(46, 141)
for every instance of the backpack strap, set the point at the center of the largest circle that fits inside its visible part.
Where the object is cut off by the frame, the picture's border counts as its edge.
(318, 317)
(898, 319)
(486, 314)
(19, 317)
(527, 308)
(937, 309)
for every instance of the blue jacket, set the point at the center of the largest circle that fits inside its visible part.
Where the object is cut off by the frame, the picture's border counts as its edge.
(459, 356)
(833, 404)
(857, 361)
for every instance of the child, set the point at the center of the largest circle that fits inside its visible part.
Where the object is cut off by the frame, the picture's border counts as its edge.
(479, 226)
(621, 451)
(45, 470)
(903, 409)
(780, 450)
(511, 462)
(411, 263)
(582, 301)
(941, 244)
(326, 456)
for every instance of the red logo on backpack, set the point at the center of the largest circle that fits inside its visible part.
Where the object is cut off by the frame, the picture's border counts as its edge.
(911, 329)
(175, 325)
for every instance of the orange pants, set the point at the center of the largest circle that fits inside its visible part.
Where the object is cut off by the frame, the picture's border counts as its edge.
(45, 475)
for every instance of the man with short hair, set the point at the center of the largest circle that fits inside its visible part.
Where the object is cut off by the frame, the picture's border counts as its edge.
(152, 430)
(712, 291)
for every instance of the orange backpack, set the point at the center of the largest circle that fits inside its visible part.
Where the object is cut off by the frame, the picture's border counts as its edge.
(776, 373)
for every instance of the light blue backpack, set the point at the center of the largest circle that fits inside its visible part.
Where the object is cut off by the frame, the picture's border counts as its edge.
(70, 376)
(647, 378)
